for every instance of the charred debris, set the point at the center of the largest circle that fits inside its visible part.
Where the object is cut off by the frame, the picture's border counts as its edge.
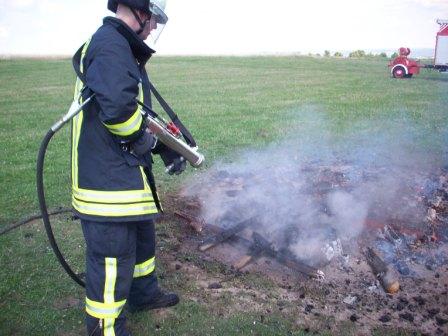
(327, 219)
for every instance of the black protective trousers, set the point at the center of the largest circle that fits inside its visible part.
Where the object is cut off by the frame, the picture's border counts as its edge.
(120, 267)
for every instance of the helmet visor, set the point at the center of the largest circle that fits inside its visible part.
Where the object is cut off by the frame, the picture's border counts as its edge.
(156, 23)
(158, 13)
(156, 29)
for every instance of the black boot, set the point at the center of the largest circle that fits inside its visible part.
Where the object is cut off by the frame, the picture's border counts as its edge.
(161, 300)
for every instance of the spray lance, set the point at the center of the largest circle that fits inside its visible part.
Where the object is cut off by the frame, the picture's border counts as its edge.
(168, 133)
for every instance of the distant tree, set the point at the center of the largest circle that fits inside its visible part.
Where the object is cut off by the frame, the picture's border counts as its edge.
(393, 55)
(327, 53)
(338, 54)
(357, 53)
(383, 54)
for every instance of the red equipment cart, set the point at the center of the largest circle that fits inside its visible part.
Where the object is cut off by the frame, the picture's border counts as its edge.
(404, 67)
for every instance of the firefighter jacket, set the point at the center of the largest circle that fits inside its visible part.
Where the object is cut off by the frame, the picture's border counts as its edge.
(108, 182)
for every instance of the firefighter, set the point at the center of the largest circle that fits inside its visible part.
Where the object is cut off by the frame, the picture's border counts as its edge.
(113, 190)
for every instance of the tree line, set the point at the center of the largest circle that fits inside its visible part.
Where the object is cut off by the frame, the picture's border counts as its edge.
(354, 54)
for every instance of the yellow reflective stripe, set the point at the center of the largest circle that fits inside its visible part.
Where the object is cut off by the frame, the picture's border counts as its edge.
(74, 151)
(76, 132)
(140, 92)
(131, 125)
(145, 181)
(114, 210)
(83, 54)
(128, 196)
(78, 87)
(104, 310)
(79, 84)
(145, 268)
(111, 275)
(109, 293)
(108, 327)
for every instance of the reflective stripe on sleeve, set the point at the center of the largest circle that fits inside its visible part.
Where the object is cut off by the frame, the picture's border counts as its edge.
(131, 125)
(144, 268)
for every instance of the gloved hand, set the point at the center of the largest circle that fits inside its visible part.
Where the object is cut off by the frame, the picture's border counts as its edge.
(144, 144)
(174, 162)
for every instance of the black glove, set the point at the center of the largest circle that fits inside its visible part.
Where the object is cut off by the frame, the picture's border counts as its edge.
(144, 144)
(174, 162)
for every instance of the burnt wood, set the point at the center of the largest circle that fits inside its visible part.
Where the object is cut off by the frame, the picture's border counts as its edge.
(262, 246)
(385, 275)
(226, 234)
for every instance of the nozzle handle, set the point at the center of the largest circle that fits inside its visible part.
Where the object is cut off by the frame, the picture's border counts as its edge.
(74, 109)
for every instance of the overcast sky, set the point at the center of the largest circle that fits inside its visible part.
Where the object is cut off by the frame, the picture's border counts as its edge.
(59, 27)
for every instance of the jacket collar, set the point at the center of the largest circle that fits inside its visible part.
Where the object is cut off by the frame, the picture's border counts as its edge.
(139, 48)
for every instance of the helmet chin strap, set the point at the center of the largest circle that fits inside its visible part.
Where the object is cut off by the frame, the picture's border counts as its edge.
(140, 22)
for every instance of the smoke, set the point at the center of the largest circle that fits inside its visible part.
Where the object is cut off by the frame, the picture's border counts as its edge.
(349, 213)
(314, 188)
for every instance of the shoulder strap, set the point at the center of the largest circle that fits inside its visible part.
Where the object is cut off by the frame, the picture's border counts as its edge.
(173, 116)
(78, 60)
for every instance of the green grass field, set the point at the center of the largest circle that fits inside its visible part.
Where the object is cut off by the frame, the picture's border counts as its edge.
(229, 104)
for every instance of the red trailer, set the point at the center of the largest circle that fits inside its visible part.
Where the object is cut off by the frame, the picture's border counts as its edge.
(404, 67)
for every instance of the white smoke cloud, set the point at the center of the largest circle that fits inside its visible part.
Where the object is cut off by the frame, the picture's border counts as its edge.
(349, 213)
(307, 192)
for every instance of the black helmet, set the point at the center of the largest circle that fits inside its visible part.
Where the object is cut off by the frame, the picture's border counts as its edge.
(142, 5)
(153, 7)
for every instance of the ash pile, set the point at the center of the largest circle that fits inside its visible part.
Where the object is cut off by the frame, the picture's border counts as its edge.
(371, 240)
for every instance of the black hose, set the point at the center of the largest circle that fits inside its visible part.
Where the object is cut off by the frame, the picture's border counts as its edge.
(32, 218)
(44, 211)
